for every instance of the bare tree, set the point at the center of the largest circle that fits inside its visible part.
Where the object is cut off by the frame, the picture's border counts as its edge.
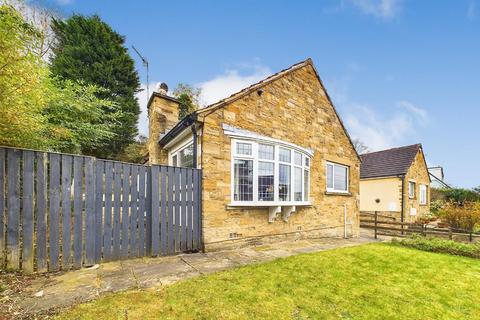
(360, 146)
(40, 18)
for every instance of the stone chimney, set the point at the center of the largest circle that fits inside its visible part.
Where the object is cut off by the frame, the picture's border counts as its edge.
(162, 116)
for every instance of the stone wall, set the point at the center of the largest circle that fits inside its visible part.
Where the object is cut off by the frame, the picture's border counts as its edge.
(162, 116)
(293, 108)
(419, 173)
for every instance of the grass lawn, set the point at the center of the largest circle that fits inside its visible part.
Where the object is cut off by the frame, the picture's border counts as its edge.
(376, 281)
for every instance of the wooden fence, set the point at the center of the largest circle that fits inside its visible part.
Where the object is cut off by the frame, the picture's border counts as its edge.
(403, 229)
(61, 211)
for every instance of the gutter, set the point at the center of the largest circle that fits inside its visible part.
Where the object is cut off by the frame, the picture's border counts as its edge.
(403, 200)
(179, 127)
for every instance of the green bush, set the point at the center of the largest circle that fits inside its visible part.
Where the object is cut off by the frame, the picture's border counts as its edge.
(471, 250)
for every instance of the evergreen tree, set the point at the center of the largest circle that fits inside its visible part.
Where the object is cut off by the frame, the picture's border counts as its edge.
(88, 50)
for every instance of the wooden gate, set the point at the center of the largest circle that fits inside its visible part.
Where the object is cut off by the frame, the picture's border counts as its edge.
(61, 211)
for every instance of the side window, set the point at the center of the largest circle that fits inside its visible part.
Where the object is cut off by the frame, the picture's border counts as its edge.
(411, 189)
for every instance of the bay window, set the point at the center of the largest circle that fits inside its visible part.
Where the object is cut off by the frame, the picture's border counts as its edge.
(269, 173)
(337, 177)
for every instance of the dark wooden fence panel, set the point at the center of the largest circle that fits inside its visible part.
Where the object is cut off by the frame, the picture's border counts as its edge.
(28, 222)
(2, 206)
(77, 211)
(61, 211)
(13, 204)
(41, 212)
(67, 162)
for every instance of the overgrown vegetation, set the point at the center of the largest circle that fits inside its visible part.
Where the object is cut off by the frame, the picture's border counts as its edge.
(459, 208)
(189, 98)
(378, 281)
(38, 110)
(471, 250)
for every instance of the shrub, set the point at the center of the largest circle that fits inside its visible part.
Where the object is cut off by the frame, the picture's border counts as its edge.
(471, 250)
(460, 195)
(461, 216)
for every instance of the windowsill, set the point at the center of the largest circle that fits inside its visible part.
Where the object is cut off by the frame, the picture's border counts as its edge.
(265, 204)
(423, 204)
(338, 193)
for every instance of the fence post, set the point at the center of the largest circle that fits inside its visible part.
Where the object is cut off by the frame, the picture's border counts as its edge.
(376, 220)
(450, 235)
(470, 236)
(148, 213)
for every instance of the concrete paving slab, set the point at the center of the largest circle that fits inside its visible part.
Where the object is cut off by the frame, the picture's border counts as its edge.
(67, 288)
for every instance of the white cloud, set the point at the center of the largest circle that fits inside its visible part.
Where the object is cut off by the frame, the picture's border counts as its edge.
(230, 82)
(377, 132)
(385, 9)
(419, 112)
(471, 10)
(219, 87)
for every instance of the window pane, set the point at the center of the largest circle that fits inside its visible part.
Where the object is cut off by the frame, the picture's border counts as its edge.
(266, 152)
(411, 189)
(298, 158)
(340, 178)
(284, 182)
(297, 182)
(307, 162)
(243, 180)
(305, 184)
(186, 157)
(284, 155)
(174, 160)
(265, 181)
(329, 176)
(244, 148)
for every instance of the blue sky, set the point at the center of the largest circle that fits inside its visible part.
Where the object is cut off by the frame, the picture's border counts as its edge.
(399, 72)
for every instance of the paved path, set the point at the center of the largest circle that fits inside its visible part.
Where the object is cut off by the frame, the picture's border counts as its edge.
(65, 289)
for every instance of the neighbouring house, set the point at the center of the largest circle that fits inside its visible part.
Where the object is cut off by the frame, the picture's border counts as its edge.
(395, 182)
(437, 178)
(276, 160)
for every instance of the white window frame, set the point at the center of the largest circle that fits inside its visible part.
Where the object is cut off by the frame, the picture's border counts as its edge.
(176, 152)
(333, 189)
(255, 157)
(412, 191)
(423, 194)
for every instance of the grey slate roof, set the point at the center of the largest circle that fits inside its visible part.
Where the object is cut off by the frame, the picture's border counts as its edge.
(388, 163)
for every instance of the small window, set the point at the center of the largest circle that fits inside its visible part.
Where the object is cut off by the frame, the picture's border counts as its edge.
(284, 155)
(337, 178)
(244, 148)
(423, 194)
(411, 189)
(183, 157)
(186, 157)
(266, 152)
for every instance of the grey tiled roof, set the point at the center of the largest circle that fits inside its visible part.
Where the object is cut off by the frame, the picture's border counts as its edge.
(387, 163)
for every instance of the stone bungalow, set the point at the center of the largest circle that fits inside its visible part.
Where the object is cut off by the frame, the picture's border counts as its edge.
(395, 182)
(277, 161)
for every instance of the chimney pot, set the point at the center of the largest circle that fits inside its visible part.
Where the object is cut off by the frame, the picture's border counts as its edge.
(162, 88)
